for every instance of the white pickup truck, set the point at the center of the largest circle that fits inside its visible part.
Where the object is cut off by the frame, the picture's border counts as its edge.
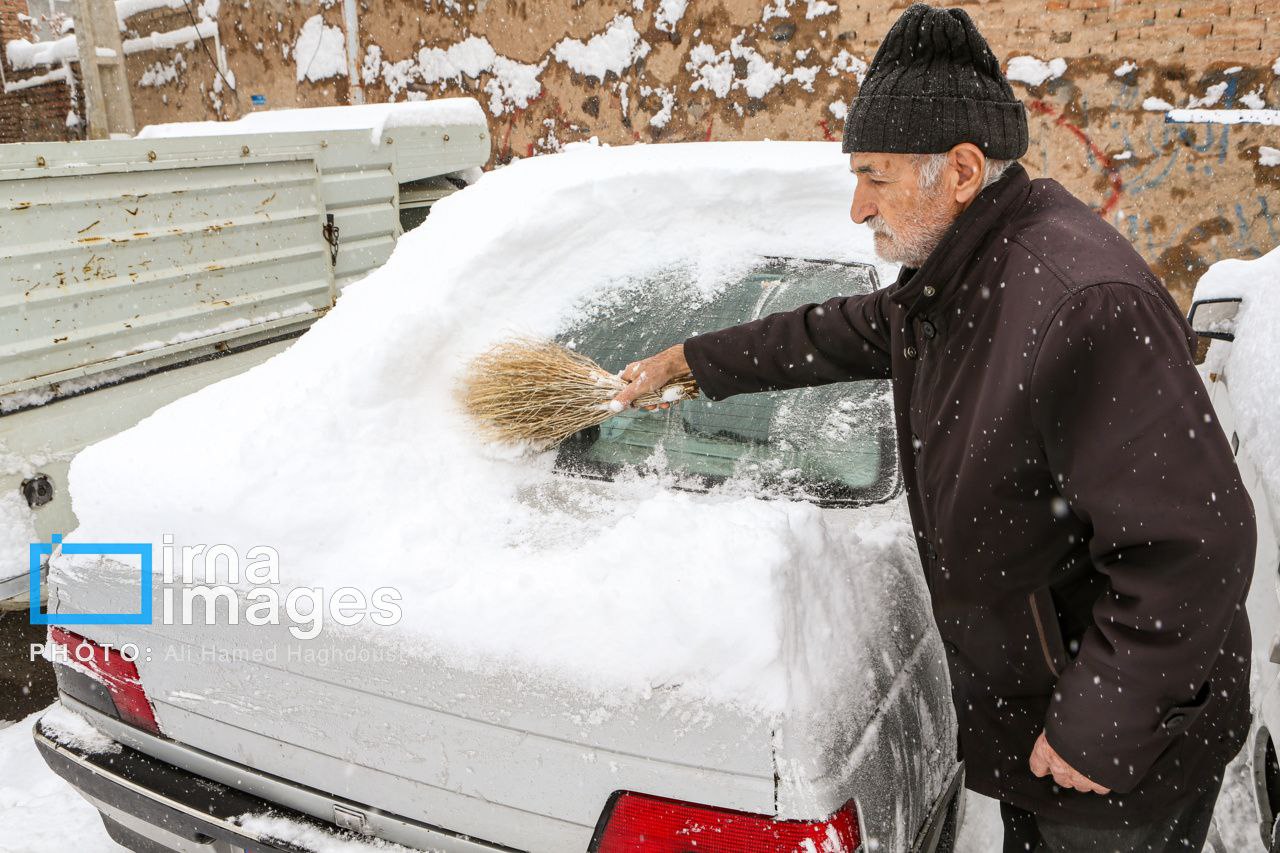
(133, 272)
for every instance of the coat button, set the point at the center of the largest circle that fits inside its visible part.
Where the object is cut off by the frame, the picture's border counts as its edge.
(930, 291)
(916, 443)
(1175, 721)
(928, 329)
(909, 352)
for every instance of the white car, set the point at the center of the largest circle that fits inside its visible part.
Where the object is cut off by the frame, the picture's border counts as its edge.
(696, 629)
(1236, 309)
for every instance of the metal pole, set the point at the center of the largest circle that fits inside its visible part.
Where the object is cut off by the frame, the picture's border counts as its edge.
(352, 20)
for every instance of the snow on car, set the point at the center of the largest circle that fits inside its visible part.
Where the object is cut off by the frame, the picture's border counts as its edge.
(367, 623)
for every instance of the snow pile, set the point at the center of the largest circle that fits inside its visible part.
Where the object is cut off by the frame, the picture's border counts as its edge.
(320, 51)
(1253, 362)
(1268, 156)
(378, 119)
(1032, 71)
(348, 454)
(616, 49)
(1126, 67)
(1156, 105)
(38, 811)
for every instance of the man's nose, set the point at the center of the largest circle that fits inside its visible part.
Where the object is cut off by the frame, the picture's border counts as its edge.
(862, 209)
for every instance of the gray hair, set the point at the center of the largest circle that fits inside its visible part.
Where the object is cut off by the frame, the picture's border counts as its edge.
(929, 168)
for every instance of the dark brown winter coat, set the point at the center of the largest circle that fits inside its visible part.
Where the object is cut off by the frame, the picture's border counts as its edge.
(1082, 525)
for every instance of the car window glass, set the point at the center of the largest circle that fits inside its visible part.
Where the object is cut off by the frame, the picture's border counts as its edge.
(832, 442)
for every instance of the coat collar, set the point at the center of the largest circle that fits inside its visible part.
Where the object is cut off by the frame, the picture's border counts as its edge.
(991, 208)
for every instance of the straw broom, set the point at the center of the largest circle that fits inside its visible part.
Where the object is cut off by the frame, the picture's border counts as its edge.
(537, 391)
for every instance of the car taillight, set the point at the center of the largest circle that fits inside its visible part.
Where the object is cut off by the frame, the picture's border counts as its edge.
(642, 824)
(112, 670)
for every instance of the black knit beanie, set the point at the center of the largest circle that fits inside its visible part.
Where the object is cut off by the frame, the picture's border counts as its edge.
(934, 84)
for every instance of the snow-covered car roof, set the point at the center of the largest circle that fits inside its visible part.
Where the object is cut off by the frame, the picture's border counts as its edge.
(349, 455)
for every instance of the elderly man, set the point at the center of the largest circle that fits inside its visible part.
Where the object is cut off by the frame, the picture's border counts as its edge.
(1083, 529)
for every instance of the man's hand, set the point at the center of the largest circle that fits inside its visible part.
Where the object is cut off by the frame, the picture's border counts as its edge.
(650, 374)
(1046, 761)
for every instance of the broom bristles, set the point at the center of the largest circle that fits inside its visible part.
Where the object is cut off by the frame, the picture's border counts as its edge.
(537, 391)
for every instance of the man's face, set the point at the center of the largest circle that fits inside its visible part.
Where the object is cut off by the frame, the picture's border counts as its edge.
(908, 220)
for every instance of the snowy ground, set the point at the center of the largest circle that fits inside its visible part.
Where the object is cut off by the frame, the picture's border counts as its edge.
(39, 813)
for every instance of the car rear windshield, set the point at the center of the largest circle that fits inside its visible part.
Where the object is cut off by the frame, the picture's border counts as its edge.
(832, 443)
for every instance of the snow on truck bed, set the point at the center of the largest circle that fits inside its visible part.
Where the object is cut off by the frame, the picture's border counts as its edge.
(376, 118)
(349, 455)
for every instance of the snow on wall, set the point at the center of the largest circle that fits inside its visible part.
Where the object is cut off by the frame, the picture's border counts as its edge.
(57, 75)
(163, 73)
(1032, 71)
(668, 97)
(511, 85)
(1201, 116)
(320, 51)
(126, 9)
(616, 49)
(23, 54)
(181, 37)
(669, 13)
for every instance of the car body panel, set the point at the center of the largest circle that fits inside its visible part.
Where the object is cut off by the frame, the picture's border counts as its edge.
(523, 760)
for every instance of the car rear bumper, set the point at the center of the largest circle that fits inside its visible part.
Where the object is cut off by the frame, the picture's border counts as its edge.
(151, 806)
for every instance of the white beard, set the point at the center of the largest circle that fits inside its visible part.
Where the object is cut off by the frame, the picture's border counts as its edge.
(925, 230)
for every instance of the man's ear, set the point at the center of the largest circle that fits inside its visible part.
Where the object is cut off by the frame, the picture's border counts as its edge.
(969, 163)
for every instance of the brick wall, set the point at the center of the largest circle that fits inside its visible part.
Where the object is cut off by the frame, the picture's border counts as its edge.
(35, 113)
(11, 24)
(1186, 194)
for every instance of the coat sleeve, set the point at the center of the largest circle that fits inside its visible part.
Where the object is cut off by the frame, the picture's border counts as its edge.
(1137, 453)
(842, 339)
